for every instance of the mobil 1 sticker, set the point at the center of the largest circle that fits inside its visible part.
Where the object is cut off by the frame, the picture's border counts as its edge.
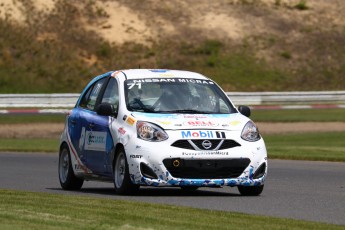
(202, 134)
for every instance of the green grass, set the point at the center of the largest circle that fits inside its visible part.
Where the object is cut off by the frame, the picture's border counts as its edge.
(311, 146)
(29, 145)
(300, 115)
(32, 118)
(28, 210)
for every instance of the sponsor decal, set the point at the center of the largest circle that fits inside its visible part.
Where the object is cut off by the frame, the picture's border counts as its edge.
(200, 123)
(205, 153)
(95, 140)
(132, 83)
(164, 122)
(130, 120)
(205, 134)
(158, 70)
(135, 156)
(220, 134)
(194, 116)
(234, 123)
(207, 82)
(166, 75)
(122, 131)
(197, 134)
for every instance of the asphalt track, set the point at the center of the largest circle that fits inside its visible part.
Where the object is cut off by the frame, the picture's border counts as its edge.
(313, 191)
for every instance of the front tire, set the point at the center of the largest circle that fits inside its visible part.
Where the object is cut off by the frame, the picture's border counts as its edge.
(68, 180)
(251, 190)
(122, 181)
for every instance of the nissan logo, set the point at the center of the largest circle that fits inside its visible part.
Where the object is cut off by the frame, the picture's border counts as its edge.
(206, 144)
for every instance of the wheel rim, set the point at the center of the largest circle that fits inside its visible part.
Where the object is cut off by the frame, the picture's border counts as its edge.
(119, 170)
(64, 165)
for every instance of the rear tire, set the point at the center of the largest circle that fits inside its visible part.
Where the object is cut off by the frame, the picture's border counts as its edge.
(251, 190)
(122, 181)
(68, 180)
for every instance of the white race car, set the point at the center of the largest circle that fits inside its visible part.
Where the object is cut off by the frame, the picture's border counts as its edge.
(145, 127)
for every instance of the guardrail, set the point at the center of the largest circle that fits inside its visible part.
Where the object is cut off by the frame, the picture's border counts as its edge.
(57, 103)
(60, 100)
(287, 98)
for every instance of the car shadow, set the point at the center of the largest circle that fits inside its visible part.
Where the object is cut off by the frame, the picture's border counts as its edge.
(157, 192)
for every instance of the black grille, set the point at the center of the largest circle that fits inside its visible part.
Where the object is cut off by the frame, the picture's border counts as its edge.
(183, 144)
(260, 171)
(206, 169)
(198, 143)
(227, 144)
(146, 171)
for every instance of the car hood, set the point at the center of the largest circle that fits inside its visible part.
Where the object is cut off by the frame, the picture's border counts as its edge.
(231, 122)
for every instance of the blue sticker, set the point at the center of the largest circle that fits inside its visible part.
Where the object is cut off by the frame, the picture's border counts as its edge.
(251, 174)
(159, 70)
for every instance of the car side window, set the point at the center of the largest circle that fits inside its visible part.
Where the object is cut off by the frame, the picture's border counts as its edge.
(90, 97)
(86, 96)
(111, 94)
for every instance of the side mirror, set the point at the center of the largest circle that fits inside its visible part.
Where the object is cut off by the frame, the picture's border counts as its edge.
(105, 109)
(245, 110)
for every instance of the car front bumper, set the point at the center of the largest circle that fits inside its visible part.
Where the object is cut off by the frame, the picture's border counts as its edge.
(148, 165)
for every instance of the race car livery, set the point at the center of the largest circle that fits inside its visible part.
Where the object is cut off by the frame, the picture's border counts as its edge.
(145, 127)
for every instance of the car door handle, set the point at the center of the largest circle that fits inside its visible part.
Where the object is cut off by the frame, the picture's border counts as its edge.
(91, 125)
(73, 122)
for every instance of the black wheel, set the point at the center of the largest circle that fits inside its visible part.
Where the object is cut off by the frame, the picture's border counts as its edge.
(68, 180)
(122, 181)
(251, 190)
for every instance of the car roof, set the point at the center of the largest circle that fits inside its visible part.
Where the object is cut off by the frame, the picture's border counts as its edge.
(159, 73)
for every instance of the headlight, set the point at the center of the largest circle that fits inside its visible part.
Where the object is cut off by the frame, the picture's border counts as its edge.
(150, 132)
(250, 132)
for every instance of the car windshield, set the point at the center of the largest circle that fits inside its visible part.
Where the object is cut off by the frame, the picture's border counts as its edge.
(176, 95)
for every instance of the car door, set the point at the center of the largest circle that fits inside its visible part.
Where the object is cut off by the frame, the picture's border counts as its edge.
(98, 140)
(76, 126)
(89, 139)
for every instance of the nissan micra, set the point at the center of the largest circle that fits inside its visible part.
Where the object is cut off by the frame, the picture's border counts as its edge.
(146, 127)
